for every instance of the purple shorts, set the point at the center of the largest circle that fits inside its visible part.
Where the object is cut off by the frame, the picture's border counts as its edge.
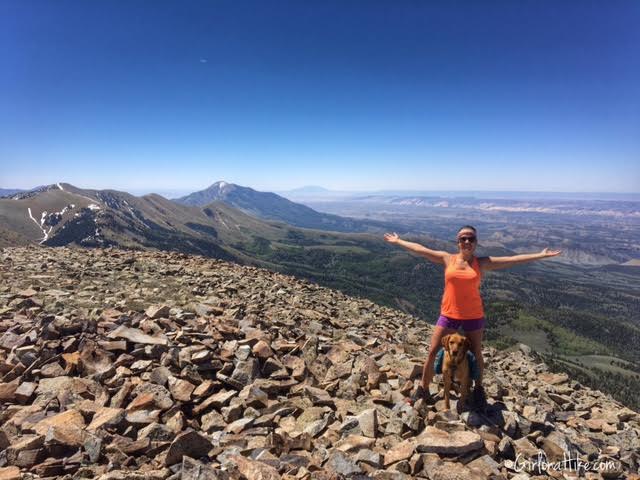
(467, 325)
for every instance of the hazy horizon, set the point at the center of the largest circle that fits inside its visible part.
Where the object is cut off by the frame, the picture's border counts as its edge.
(526, 96)
(172, 193)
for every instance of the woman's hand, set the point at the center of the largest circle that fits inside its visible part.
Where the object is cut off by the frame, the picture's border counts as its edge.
(391, 237)
(550, 253)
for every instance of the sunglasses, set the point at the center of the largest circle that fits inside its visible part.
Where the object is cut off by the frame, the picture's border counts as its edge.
(467, 239)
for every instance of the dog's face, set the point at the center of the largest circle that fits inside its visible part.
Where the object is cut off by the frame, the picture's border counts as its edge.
(456, 345)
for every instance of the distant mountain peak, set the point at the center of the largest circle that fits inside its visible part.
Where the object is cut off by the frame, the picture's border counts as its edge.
(220, 184)
(310, 189)
(220, 188)
(270, 206)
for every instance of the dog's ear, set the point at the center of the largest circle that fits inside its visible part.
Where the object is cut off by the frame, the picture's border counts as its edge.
(445, 342)
(467, 343)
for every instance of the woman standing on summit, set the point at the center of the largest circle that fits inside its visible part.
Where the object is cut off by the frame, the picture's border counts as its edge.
(461, 303)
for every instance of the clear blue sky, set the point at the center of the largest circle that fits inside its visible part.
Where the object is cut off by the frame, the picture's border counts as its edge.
(156, 95)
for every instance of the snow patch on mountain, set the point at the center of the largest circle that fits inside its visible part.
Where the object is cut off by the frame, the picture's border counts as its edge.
(40, 224)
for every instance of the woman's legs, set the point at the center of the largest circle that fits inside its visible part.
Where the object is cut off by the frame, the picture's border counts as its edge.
(475, 337)
(436, 341)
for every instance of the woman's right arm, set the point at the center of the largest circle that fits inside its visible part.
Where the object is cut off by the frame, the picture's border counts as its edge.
(436, 256)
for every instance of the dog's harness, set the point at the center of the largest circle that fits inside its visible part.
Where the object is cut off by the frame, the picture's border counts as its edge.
(473, 364)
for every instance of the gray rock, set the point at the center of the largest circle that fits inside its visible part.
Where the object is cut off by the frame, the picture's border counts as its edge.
(195, 470)
(368, 422)
(246, 371)
(338, 462)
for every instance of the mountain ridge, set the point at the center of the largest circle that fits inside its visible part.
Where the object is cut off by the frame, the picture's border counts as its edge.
(271, 206)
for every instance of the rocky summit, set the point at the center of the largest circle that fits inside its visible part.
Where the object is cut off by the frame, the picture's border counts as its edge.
(120, 364)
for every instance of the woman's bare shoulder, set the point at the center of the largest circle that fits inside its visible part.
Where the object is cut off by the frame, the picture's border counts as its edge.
(448, 259)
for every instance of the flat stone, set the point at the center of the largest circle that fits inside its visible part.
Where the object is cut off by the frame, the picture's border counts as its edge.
(368, 420)
(161, 396)
(137, 336)
(401, 451)
(339, 463)
(28, 292)
(239, 425)
(319, 396)
(157, 311)
(553, 378)
(180, 389)
(143, 400)
(217, 400)
(106, 417)
(254, 470)
(128, 446)
(113, 345)
(316, 427)
(62, 384)
(51, 370)
(536, 415)
(262, 350)
(156, 432)
(195, 470)
(93, 447)
(66, 428)
(25, 391)
(10, 473)
(8, 390)
(143, 417)
(595, 424)
(354, 442)
(203, 389)
(246, 371)
(27, 442)
(189, 443)
(369, 457)
(160, 375)
(434, 440)
(148, 474)
(253, 396)
(212, 421)
(556, 445)
(309, 416)
(525, 448)
(140, 365)
(451, 471)
(485, 465)
(206, 310)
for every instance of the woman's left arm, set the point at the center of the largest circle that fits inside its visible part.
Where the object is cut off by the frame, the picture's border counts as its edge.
(495, 263)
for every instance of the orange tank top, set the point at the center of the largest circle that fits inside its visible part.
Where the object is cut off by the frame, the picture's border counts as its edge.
(461, 299)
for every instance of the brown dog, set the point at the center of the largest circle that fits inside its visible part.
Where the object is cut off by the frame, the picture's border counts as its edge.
(456, 366)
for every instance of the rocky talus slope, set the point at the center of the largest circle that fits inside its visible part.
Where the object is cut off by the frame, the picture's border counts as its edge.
(145, 365)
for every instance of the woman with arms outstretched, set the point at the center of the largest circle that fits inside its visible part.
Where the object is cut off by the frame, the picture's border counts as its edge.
(461, 304)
